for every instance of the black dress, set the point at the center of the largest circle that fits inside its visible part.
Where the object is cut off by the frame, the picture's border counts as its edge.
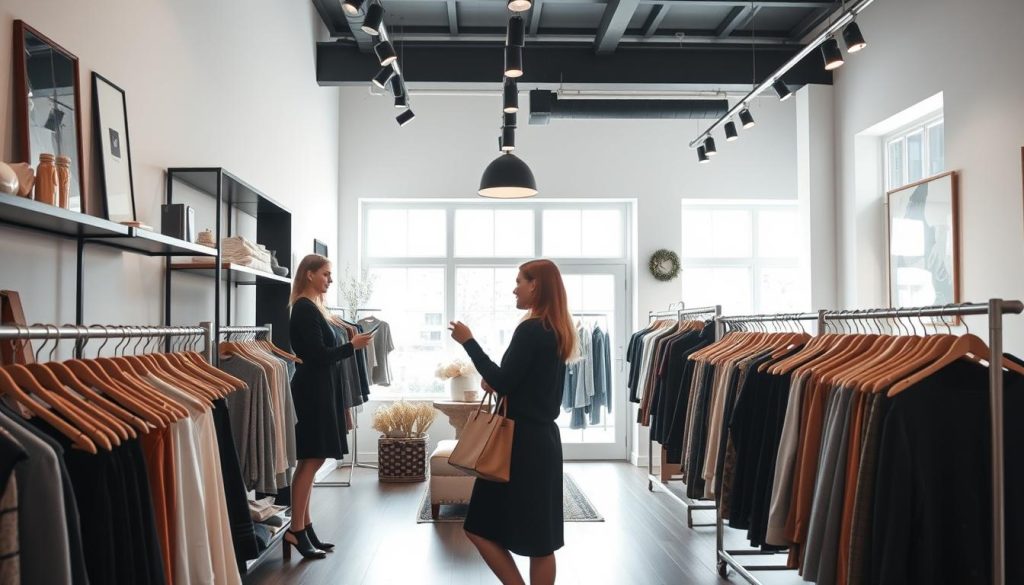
(319, 434)
(525, 514)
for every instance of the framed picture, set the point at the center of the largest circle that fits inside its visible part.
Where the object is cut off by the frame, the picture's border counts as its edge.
(923, 229)
(320, 248)
(111, 131)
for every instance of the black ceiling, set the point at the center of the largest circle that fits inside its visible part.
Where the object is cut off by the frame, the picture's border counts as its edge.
(617, 41)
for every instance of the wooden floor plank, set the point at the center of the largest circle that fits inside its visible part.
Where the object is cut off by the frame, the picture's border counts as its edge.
(644, 539)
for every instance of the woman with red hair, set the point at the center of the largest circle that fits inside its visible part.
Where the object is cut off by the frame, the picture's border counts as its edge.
(524, 516)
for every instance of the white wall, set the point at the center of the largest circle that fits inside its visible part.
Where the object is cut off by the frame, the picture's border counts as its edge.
(445, 149)
(228, 83)
(969, 51)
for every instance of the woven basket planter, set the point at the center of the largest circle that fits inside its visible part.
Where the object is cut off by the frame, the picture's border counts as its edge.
(402, 460)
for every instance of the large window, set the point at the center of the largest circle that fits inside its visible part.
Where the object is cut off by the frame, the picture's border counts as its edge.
(914, 153)
(441, 260)
(743, 255)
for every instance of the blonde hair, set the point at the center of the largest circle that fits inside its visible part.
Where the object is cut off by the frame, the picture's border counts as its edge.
(310, 264)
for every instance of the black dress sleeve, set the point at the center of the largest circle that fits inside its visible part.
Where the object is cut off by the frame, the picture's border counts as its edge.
(515, 364)
(308, 337)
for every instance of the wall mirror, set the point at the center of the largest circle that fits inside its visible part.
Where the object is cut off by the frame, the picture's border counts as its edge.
(48, 105)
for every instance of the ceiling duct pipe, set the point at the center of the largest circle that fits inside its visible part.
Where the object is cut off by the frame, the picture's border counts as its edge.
(545, 105)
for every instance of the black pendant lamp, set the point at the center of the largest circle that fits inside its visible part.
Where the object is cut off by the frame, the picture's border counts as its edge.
(508, 138)
(746, 119)
(520, 5)
(385, 53)
(374, 17)
(509, 120)
(853, 38)
(709, 146)
(782, 91)
(831, 54)
(730, 131)
(405, 117)
(513, 62)
(516, 36)
(510, 97)
(383, 77)
(352, 6)
(702, 156)
(397, 87)
(401, 101)
(507, 177)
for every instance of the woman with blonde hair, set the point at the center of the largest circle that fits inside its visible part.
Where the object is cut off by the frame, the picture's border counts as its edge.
(524, 516)
(319, 432)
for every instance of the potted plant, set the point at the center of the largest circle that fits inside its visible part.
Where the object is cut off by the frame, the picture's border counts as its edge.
(402, 449)
(461, 377)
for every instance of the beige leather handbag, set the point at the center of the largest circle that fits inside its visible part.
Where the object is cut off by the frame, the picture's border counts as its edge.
(485, 448)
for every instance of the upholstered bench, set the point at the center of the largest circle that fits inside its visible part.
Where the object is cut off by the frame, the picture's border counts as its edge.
(448, 485)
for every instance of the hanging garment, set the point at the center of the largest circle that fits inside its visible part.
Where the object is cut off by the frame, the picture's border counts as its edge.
(381, 348)
(10, 455)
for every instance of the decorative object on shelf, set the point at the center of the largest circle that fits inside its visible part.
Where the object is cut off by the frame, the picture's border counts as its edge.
(110, 127)
(137, 224)
(205, 238)
(277, 268)
(402, 451)
(63, 180)
(8, 179)
(26, 178)
(923, 230)
(44, 72)
(664, 265)
(356, 292)
(46, 180)
(179, 221)
(461, 377)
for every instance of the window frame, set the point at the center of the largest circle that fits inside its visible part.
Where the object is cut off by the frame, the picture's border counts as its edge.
(754, 263)
(451, 263)
(923, 126)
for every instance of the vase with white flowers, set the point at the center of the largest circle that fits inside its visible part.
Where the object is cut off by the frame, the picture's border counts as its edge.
(355, 292)
(461, 377)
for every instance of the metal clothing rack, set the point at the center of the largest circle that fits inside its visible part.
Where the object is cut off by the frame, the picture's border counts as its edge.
(652, 479)
(995, 309)
(81, 334)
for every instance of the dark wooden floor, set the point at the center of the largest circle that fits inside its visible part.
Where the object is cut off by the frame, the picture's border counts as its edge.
(643, 540)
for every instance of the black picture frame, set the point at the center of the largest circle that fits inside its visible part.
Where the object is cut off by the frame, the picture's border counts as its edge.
(320, 248)
(111, 146)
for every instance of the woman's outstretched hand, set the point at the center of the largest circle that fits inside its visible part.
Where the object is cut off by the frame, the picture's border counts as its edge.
(361, 340)
(460, 332)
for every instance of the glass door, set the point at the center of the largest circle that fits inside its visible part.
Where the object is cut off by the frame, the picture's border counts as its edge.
(597, 299)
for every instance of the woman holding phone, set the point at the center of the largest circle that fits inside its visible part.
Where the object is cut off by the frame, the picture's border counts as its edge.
(524, 516)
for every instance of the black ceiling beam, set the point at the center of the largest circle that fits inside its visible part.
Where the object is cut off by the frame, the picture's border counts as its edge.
(340, 63)
(814, 18)
(453, 17)
(534, 23)
(617, 14)
(658, 14)
(738, 16)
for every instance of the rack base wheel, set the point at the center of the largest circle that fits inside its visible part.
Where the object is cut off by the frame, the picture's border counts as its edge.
(650, 486)
(723, 569)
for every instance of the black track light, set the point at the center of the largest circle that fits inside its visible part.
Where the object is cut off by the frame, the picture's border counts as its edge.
(516, 36)
(513, 62)
(509, 120)
(401, 101)
(730, 131)
(383, 77)
(746, 119)
(385, 53)
(405, 117)
(374, 18)
(702, 157)
(782, 90)
(511, 97)
(831, 54)
(520, 5)
(853, 38)
(508, 139)
(352, 6)
(709, 146)
(397, 87)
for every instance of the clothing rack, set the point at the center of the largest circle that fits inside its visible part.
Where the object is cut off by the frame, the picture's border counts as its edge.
(995, 309)
(652, 479)
(83, 333)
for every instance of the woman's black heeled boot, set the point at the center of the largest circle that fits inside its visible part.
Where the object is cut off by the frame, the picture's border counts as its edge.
(325, 546)
(300, 540)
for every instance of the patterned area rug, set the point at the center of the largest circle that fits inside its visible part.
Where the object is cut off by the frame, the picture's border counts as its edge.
(576, 506)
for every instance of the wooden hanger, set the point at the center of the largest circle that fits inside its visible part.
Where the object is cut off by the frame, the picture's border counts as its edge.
(148, 414)
(201, 363)
(965, 346)
(79, 439)
(122, 375)
(130, 421)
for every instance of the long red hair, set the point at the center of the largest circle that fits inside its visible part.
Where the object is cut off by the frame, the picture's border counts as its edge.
(551, 305)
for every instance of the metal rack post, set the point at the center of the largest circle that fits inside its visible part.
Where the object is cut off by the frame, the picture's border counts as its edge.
(652, 479)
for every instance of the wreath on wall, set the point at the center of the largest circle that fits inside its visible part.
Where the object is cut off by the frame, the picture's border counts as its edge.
(664, 265)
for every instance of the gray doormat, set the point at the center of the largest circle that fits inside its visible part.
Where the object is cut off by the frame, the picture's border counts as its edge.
(576, 506)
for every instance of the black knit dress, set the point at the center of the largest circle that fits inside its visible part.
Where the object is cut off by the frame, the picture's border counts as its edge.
(319, 429)
(525, 514)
